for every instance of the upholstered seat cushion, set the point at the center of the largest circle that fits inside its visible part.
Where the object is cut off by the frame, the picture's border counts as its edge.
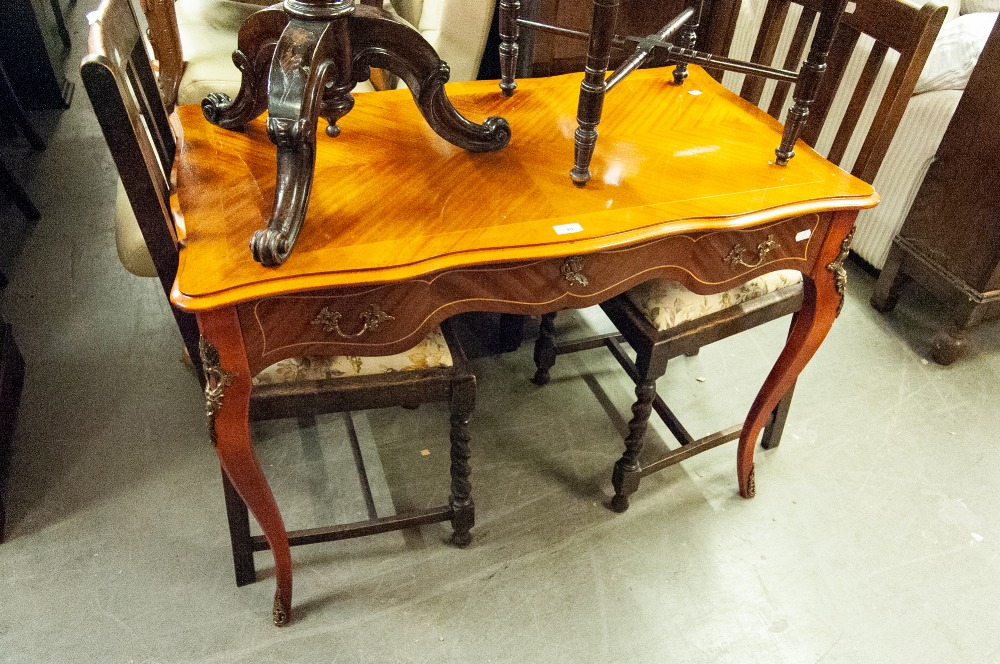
(666, 304)
(431, 353)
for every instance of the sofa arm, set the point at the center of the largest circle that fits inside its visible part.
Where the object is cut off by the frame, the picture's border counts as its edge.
(906, 162)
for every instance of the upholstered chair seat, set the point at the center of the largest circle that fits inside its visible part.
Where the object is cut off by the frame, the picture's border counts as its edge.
(431, 353)
(666, 303)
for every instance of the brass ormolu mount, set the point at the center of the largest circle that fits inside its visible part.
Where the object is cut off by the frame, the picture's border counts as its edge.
(299, 61)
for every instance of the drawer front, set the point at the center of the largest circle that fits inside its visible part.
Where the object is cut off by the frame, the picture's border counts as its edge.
(390, 318)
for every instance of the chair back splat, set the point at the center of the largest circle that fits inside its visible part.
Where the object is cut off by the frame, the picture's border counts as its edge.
(119, 80)
(875, 60)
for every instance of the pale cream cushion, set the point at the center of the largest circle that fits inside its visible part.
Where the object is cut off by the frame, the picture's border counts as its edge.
(431, 353)
(666, 304)
(955, 53)
(974, 6)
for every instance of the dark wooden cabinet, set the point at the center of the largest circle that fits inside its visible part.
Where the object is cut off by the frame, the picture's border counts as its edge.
(950, 241)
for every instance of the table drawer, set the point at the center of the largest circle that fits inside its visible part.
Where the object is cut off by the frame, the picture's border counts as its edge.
(390, 318)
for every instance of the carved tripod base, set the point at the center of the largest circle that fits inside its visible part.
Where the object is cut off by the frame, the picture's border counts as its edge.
(300, 61)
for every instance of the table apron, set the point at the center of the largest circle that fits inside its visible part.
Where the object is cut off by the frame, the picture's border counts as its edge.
(385, 319)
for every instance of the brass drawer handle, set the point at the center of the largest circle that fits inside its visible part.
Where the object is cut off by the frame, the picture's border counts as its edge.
(735, 257)
(372, 317)
(572, 270)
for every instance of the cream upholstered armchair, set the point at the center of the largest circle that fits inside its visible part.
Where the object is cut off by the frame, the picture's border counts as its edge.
(194, 40)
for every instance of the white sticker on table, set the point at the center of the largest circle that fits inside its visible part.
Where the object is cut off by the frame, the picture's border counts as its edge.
(564, 229)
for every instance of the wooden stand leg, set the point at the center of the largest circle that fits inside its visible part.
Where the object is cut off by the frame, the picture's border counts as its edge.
(324, 48)
(545, 349)
(593, 87)
(823, 293)
(510, 10)
(227, 404)
(950, 344)
(810, 78)
(463, 401)
(688, 39)
(10, 186)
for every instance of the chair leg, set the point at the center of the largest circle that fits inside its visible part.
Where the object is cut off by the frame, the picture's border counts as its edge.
(60, 22)
(13, 188)
(776, 425)
(463, 511)
(11, 106)
(545, 349)
(627, 472)
(239, 534)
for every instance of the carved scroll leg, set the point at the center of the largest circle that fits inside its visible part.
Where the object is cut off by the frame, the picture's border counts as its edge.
(380, 41)
(545, 349)
(463, 512)
(823, 293)
(228, 405)
(255, 48)
(309, 55)
(593, 87)
(510, 10)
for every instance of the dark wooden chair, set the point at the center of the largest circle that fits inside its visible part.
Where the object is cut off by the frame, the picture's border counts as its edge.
(13, 112)
(661, 319)
(123, 91)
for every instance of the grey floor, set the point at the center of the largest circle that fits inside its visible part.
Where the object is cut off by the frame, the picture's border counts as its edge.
(875, 534)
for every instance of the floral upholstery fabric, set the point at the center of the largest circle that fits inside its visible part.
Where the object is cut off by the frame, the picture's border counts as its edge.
(430, 353)
(666, 304)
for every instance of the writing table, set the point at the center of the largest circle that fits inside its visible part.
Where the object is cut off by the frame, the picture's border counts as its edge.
(404, 230)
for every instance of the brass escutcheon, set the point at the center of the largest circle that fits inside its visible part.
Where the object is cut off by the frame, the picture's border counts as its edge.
(735, 257)
(572, 270)
(372, 318)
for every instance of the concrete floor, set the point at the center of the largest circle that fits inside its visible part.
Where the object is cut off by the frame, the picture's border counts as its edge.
(874, 536)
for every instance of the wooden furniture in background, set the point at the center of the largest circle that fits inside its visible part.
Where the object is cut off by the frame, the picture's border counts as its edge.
(677, 38)
(13, 111)
(950, 241)
(11, 381)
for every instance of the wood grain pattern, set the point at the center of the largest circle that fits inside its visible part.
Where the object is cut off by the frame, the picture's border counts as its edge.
(670, 162)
